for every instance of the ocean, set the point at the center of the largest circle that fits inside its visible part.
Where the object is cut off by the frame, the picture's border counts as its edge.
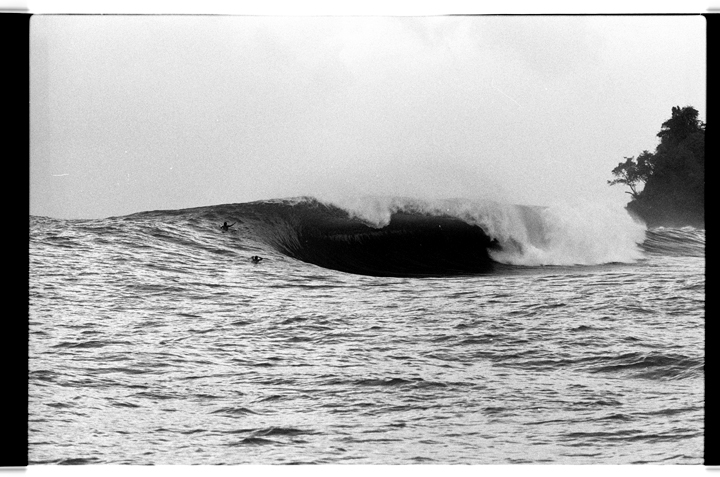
(373, 331)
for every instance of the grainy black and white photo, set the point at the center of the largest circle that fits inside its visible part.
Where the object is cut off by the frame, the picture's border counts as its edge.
(381, 239)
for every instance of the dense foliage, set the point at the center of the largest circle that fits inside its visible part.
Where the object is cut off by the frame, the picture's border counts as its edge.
(673, 176)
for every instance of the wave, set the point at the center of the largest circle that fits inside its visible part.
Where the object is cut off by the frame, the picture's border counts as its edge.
(400, 237)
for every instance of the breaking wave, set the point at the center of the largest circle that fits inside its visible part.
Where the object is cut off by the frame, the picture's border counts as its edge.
(393, 236)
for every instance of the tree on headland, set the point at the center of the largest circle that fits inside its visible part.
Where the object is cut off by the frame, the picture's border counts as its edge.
(632, 173)
(673, 176)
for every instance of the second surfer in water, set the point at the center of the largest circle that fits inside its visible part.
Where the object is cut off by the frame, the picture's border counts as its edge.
(255, 259)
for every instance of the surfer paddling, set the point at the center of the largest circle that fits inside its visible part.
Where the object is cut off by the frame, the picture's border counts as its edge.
(226, 227)
(255, 259)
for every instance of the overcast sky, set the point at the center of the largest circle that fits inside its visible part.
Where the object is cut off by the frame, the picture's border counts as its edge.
(134, 113)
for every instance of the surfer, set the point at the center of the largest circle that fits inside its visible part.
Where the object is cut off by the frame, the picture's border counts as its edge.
(255, 259)
(225, 226)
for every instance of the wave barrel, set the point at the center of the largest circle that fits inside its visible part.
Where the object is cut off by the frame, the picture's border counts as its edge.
(410, 245)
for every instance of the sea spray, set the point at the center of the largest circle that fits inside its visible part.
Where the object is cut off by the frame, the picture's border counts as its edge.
(585, 233)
